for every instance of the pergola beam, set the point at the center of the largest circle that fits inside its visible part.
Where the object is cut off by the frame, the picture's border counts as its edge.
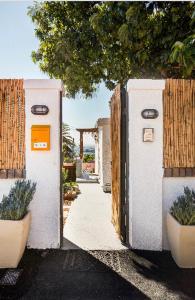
(87, 130)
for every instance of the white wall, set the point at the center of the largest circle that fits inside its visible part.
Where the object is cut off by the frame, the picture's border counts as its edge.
(79, 168)
(145, 165)
(96, 156)
(106, 163)
(43, 167)
(104, 153)
(100, 141)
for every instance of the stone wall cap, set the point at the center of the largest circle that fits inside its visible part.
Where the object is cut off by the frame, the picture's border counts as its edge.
(55, 84)
(145, 84)
(103, 121)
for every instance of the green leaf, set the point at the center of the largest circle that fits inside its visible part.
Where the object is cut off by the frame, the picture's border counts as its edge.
(85, 43)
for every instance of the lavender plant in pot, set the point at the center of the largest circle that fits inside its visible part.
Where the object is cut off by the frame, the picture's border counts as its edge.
(15, 222)
(181, 229)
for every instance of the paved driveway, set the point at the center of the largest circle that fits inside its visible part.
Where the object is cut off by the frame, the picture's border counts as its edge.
(99, 275)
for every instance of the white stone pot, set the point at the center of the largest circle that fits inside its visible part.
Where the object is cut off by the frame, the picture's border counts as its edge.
(182, 242)
(13, 239)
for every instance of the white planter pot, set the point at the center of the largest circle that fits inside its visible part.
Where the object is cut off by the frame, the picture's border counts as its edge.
(13, 239)
(182, 242)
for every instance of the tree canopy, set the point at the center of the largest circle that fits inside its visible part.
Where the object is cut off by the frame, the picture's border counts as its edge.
(85, 43)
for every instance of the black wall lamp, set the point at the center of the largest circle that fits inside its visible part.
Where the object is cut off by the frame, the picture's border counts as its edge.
(150, 113)
(39, 110)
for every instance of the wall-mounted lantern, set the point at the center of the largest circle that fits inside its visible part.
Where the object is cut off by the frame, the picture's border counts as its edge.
(149, 113)
(39, 110)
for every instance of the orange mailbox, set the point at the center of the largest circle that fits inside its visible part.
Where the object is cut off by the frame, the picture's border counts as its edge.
(40, 137)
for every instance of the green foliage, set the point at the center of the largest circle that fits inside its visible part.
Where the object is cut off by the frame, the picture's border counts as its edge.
(183, 53)
(70, 186)
(65, 183)
(85, 43)
(64, 176)
(15, 205)
(68, 159)
(183, 210)
(67, 142)
(88, 158)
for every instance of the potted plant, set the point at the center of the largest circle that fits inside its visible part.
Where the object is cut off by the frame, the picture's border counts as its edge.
(70, 189)
(15, 223)
(181, 229)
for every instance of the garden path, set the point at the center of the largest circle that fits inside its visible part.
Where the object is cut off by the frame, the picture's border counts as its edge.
(88, 225)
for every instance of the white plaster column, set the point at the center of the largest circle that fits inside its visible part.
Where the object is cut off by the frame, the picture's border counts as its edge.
(145, 165)
(100, 142)
(79, 168)
(96, 156)
(43, 167)
(104, 153)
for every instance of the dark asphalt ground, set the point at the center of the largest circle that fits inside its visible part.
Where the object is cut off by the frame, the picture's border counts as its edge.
(99, 275)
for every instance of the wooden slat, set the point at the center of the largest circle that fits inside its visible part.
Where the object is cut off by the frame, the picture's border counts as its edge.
(116, 158)
(179, 124)
(12, 125)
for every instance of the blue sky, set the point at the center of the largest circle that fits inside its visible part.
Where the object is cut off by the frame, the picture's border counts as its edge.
(17, 42)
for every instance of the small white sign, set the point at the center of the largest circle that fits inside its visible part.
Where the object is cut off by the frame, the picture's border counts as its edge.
(40, 145)
(148, 134)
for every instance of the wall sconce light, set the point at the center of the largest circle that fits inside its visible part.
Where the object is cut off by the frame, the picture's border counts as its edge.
(39, 110)
(149, 113)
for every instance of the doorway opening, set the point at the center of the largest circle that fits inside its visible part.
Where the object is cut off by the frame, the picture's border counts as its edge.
(93, 202)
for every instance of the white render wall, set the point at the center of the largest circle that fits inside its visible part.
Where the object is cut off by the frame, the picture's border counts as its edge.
(103, 155)
(106, 164)
(43, 167)
(100, 160)
(150, 194)
(145, 165)
(96, 156)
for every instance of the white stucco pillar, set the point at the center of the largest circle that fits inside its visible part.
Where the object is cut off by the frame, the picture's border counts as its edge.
(145, 165)
(104, 144)
(96, 156)
(79, 168)
(43, 167)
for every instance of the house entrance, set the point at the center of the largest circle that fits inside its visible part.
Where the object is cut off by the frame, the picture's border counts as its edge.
(90, 221)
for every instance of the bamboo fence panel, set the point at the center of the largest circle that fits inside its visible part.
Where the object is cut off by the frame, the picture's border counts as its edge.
(116, 158)
(179, 124)
(12, 124)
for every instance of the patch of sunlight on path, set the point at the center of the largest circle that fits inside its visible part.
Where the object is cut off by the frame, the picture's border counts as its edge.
(88, 225)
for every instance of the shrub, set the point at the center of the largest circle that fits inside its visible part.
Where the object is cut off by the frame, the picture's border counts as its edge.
(64, 175)
(15, 205)
(89, 158)
(183, 209)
